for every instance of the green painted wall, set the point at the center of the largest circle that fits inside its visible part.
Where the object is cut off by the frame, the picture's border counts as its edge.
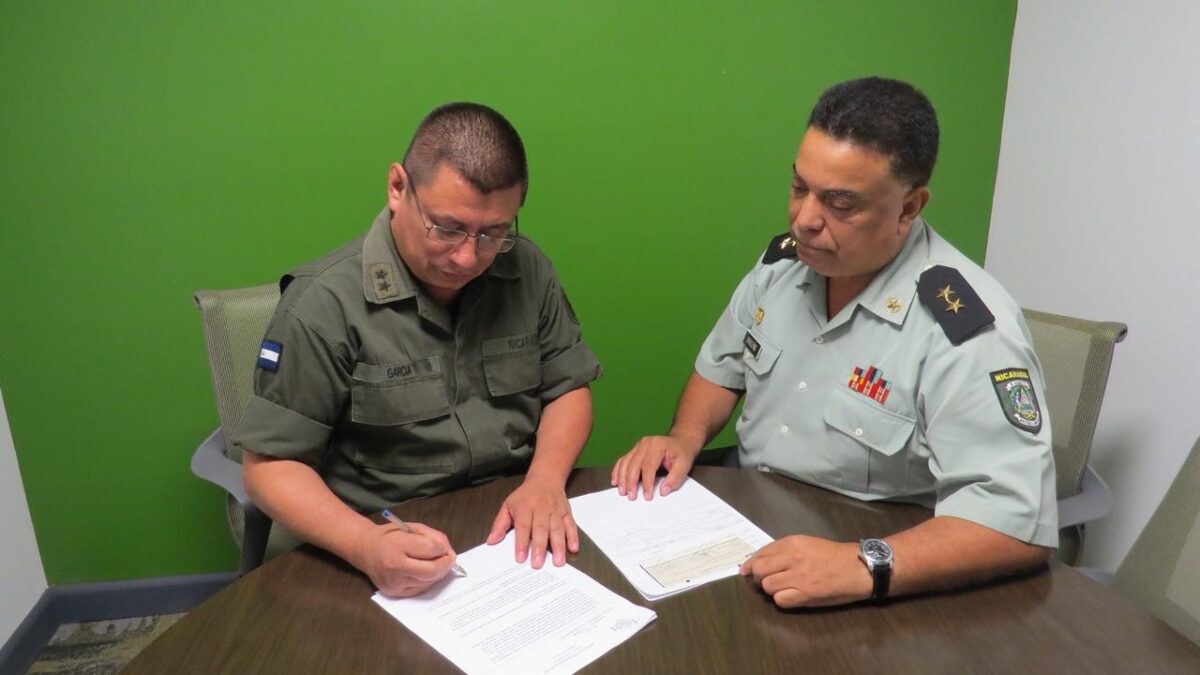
(152, 149)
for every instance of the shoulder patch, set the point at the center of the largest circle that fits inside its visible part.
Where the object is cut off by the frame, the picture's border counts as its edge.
(1018, 400)
(781, 247)
(269, 355)
(953, 303)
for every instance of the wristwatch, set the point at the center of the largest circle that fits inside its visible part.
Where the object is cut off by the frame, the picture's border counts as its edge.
(877, 555)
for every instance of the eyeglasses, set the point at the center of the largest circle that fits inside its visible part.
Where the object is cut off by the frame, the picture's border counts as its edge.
(445, 235)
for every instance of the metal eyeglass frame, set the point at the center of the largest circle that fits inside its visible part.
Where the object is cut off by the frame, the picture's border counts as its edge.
(455, 238)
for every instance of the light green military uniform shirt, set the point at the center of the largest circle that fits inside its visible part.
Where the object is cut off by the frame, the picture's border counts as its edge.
(390, 395)
(877, 403)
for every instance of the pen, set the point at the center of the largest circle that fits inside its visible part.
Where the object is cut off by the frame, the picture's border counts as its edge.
(395, 520)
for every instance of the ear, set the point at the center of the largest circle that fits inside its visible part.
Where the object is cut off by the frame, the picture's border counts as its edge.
(914, 201)
(397, 186)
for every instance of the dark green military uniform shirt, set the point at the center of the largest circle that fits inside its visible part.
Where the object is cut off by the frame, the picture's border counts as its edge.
(390, 395)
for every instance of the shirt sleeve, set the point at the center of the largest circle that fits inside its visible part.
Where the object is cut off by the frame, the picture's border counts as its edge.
(295, 405)
(720, 358)
(990, 467)
(567, 362)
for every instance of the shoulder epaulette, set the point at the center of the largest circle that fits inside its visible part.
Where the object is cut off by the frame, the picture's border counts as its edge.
(781, 247)
(954, 304)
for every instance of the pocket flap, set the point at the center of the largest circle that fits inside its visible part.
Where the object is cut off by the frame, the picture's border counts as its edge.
(392, 374)
(512, 373)
(398, 393)
(868, 422)
(510, 345)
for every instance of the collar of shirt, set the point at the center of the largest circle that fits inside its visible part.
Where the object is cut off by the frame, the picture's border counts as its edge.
(894, 288)
(385, 276)
(892, 291)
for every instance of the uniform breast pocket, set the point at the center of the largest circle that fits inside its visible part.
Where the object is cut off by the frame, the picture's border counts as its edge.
(512, 364)
(759, 353)
(398, 393)
(867, 443)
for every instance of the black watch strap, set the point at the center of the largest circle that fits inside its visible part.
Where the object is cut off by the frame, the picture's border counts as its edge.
(882, 575)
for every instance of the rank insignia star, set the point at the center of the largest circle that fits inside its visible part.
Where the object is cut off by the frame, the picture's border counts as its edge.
(788, 241)
(758, 316)
(892, 305)
(952, 304)
(381, 274)
(384, 287)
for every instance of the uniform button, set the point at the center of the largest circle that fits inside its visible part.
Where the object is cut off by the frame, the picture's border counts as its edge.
(820, 340)
(858, 432)
(802, 386)
(784, 428)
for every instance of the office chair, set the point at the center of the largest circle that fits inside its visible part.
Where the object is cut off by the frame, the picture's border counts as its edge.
(1076, 355)
(1162, 570)
(234, 324)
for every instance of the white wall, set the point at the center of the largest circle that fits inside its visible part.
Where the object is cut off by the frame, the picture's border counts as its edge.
(1097, 214)
(22, 579)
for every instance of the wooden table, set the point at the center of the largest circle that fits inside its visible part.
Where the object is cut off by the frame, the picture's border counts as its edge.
(309, 612)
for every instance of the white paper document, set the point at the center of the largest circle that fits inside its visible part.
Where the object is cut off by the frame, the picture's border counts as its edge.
(669, 544)
(505, 617)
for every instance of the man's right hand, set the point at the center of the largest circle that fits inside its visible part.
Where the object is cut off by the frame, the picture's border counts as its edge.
(641, 464)
(403, 564)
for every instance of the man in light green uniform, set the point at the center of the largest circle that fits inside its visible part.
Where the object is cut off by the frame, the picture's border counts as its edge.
(878, 361)
(434, 352)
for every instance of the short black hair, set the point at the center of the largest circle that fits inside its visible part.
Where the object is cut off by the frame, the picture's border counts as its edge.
(891, 117)
(476, 141)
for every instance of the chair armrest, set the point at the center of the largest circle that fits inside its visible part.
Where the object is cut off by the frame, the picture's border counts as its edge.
(210, 463)
(1096, 574)
(1093, 502)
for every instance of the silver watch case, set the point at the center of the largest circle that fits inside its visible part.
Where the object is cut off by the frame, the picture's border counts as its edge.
(875, 553)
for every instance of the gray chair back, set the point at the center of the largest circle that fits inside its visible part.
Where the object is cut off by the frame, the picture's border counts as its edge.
(1076, 355)
(234, 324)
(1162, 570)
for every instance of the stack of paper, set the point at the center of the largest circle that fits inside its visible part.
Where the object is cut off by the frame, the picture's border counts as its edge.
(672, 543)
(505, 617)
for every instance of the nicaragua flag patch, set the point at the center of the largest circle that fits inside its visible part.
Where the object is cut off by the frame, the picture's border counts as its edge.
(268, 356)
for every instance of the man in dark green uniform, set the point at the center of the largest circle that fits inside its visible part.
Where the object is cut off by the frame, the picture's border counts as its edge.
(436, 351)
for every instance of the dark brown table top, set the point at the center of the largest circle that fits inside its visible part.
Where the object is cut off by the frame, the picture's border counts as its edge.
(309, 612)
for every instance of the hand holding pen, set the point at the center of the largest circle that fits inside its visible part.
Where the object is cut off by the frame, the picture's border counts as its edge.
(395, 520)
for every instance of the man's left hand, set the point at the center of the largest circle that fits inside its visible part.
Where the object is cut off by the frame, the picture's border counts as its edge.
(540, 514)
(800, 571)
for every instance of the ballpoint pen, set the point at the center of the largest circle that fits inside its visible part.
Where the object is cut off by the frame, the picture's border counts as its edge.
(395, 520)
